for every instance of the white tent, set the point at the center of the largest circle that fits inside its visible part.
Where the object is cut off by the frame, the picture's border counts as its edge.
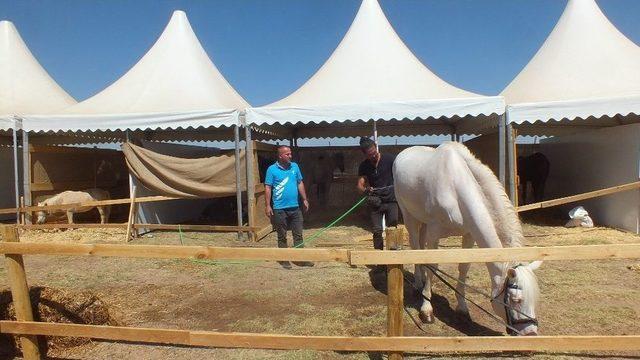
(175, 85)
(25, 88)
(586, 74)
(372, 75)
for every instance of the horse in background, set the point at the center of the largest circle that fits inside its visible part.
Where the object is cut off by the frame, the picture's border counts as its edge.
(532, 169)
(447, 191)
(75, 197)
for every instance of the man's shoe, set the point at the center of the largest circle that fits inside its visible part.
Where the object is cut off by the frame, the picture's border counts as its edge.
(285, 264)
(303, 263)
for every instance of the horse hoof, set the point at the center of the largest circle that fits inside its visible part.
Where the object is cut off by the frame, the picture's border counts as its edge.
(427, 319)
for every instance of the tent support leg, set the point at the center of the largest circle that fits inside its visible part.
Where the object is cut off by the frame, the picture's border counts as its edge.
(16, 182)
(512, 171)
(501, 149)
(251, 196)
(236, 135)
(26, 174)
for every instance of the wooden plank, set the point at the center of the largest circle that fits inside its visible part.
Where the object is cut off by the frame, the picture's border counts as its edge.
(67, 185)
(72, 226)
(132, 210)
(187, 227)
(578, 197)
(455, 256)
(214, 228)
(258, 188)
(395, 291)
(20, 293)
(337, 343)
(261, 146)
(71, 150)
(176, 252)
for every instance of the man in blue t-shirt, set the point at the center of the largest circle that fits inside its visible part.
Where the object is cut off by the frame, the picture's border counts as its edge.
(283, 184)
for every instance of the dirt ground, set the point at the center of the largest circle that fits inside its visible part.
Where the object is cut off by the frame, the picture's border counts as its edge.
(578, 297)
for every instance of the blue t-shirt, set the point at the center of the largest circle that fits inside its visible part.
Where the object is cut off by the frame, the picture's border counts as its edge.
(284, 185)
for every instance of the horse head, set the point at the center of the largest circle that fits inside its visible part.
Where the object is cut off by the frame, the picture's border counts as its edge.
(518, 300)
(42, 215)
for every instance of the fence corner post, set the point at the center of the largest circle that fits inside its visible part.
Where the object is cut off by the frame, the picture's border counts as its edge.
(20, 293)
(395, 290)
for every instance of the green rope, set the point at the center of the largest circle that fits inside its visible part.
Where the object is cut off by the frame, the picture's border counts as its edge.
(311, 238)
(318, 233)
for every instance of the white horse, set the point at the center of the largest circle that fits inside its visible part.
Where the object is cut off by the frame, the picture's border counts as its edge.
(75, 197)
(447, 191)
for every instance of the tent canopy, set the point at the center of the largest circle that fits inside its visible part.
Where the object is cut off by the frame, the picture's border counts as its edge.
(586, 69)
(25, 86)
(373, 75)
(175, 85)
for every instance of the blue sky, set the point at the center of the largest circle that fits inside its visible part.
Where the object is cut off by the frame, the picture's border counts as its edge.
(268, 48)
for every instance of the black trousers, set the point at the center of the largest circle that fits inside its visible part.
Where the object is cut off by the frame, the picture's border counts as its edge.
(390, 212)
(288, 218)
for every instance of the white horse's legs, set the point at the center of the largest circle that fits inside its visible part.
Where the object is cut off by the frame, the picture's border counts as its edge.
(463, 269)
(70, 217)
(104, 213)
(429, 238)
(413, 228)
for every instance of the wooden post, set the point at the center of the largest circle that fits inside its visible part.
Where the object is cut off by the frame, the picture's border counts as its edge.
(20, 294)
(132, 214)
(395, 291)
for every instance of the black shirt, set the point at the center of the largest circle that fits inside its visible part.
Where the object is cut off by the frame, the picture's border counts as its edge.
(380, 177)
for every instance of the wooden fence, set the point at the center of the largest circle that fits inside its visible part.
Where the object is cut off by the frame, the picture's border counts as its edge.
(394, 343)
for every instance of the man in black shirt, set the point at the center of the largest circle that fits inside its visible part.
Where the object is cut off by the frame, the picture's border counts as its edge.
(375, 179)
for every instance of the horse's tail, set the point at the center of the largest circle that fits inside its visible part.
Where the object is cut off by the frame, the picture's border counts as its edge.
(506, 219)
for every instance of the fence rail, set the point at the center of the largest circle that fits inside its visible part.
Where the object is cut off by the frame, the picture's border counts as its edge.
(393, 343)
(420, 344)
(578, 197)
(352, 257)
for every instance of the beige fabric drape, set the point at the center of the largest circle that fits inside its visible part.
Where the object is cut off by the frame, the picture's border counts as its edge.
(187, 178)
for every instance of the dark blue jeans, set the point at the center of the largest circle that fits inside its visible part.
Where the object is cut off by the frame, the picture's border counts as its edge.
(284, 219)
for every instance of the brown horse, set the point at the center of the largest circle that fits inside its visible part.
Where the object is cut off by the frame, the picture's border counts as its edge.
(534, 169)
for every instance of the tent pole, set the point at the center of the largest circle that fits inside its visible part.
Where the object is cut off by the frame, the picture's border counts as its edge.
(501, 149)
(250, 181)
(375, 133)
(236, 135)
(26, 174)
(511, 157)
(17, 124)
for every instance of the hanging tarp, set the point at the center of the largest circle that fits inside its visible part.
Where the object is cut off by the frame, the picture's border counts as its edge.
(182, 177)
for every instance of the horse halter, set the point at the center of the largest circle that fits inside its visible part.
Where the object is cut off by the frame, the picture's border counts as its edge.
(511, 312)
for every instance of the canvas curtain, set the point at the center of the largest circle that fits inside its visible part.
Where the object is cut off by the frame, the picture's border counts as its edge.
(187, 178)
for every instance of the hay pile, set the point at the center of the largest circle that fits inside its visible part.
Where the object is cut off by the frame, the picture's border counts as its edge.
(59, 306)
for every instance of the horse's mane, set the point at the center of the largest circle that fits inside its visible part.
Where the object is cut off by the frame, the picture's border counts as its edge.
(504, 215)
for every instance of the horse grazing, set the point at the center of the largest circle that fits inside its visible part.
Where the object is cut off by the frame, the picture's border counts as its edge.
(76, 197)
(447, 191)
(534, 169)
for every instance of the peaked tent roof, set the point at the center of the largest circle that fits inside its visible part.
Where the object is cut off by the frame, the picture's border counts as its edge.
(25, 86)
(585, 69)
(174, 85)
(372, 74)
